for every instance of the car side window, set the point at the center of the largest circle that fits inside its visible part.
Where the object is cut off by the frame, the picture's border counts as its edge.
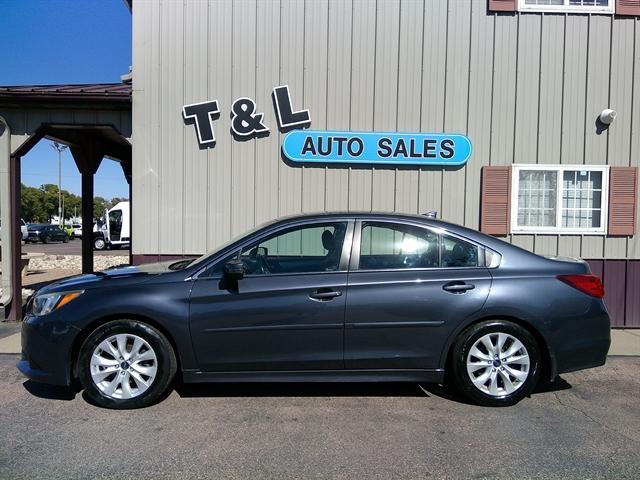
(395, 246)
(458, 253)
(313, 248)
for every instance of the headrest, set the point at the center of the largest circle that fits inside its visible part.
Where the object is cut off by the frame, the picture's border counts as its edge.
(459, 252)
(328, 240)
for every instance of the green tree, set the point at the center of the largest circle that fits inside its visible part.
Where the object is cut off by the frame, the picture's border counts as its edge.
(99, 206)
(40, 205)
(32, 204)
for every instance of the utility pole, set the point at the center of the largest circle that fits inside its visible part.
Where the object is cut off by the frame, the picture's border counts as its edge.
(59, 148)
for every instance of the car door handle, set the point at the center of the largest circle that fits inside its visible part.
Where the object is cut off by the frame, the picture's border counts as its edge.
(458, 287)
(324, 294)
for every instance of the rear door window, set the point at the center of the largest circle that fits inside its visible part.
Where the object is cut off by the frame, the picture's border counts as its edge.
(458, 253)
(396, 246)
(385, 245)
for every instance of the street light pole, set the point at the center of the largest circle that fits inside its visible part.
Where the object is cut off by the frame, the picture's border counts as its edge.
(59, 148)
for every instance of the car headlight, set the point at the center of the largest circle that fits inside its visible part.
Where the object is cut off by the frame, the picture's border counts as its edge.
(48, 302)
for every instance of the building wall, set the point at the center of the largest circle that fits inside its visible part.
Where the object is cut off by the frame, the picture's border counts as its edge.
(525, 88)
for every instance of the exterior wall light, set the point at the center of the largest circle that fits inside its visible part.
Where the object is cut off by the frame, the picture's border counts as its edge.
(608, 116)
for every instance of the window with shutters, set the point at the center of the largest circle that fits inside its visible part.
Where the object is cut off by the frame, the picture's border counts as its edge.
(571, 6)
(559, 199)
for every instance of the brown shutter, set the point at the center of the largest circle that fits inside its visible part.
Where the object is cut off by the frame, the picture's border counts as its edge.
(623, 200)
(627, 7)
(505, 5)
(495, 212)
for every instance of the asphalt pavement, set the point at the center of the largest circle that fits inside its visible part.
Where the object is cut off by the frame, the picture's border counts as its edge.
(73, 247)
(586, 426)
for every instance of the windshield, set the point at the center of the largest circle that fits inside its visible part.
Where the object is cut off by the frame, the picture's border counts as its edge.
(188, 263)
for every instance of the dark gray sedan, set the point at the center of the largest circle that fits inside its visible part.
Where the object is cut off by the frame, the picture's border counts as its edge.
(328, 297)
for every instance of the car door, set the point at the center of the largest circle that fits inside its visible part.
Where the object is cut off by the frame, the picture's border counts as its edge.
(408, 288)
(52, 233)
(286, 313)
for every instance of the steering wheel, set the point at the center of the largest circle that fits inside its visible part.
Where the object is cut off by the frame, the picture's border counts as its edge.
(409, 261)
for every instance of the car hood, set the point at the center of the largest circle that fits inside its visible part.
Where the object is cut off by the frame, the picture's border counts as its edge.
(123, 276)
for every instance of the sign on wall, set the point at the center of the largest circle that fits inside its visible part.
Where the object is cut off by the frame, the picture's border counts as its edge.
(327, 147)
(390, 148)
(246, 121)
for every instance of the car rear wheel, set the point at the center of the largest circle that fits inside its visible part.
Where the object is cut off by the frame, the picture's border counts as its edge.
(65, 239)
(46, 239)
(496, 363)
(126, 364)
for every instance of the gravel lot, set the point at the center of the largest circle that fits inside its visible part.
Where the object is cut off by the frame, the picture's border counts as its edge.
(74, 262)
(588, 426)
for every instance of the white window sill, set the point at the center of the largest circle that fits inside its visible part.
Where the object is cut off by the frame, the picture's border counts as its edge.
(557, 231)
(567, 8)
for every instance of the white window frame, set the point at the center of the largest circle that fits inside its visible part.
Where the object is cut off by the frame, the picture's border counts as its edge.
(559, 229)
(566, 8)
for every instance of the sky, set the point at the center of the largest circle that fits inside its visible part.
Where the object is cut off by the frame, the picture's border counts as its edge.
(65, 41)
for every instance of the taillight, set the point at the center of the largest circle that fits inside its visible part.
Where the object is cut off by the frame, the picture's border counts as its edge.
(589, 284)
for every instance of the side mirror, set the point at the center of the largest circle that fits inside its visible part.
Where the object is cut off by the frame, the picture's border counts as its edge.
(234, 269)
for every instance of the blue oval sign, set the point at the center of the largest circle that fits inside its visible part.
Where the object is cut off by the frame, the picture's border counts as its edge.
(387, 148)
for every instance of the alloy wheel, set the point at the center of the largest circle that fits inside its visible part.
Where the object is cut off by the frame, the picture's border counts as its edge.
(498, 364)
(123, 366)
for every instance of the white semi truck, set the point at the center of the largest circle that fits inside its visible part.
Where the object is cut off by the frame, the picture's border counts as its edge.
(114, 229)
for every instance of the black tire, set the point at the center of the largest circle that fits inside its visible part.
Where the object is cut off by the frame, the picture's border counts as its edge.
(46, 239)
(463, 345)
(166, 364)
(65, 239)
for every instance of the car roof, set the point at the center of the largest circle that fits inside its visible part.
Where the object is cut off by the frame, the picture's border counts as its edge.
(358, 215)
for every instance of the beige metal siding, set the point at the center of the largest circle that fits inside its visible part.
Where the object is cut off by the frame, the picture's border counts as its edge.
(525, 88)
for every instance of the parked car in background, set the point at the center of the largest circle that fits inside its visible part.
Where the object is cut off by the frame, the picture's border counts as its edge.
(77, 230)
(23, 229)
(68, 229)
(327, 297)
(46, 233)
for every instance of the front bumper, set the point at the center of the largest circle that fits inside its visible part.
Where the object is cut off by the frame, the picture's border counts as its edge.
(46, 350)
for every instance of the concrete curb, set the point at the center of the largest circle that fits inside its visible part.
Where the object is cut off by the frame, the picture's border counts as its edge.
(625, 342)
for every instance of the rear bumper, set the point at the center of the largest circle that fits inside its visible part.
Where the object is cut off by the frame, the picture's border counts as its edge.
(588, 354)
(581, 342)
(46, 350)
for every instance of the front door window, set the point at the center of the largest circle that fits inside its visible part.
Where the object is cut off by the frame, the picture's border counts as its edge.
(315, 248)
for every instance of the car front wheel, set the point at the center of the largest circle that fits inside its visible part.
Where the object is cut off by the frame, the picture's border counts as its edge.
(496, 363)
(126, 364)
